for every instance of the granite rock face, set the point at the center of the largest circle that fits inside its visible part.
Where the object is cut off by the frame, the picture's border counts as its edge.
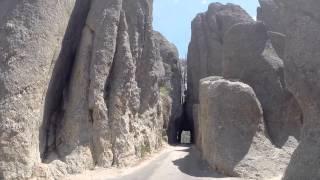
(205, 48)
(278, 42)
(230, 113)
(205, 53)
(232, 133)
(32, 41)
(80, 86)
(250, 57)
(171, 83)
(269, 13)
(302, 57)
(252, 53)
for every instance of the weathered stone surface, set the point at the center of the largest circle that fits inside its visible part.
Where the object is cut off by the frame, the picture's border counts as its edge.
(250, 57)
(31, 43)
(269, 13)
(230, 115)
(302, 22)
(278, 42)
(80, 86)
(232, 131)
(170, 85)
(122, 105)
(205, 49)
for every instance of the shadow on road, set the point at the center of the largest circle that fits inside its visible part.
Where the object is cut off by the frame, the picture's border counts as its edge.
(193, 165)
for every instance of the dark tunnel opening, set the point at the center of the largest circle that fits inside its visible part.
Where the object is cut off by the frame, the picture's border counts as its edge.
(184, 129)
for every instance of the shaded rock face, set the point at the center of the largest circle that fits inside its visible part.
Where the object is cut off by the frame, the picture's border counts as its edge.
(170, 85)
(205, 49)
(278, 42)
(302, 56)
(80, 86)
(250, 57)
(232, 131)
(269, 13)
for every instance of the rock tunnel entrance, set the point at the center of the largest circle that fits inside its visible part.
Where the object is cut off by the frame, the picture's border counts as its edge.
(186, 127)
(183, 128)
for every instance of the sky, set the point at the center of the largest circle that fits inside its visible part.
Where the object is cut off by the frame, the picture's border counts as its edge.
(173, 18)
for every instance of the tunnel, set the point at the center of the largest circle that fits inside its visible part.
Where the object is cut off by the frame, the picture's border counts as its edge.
(182, 127)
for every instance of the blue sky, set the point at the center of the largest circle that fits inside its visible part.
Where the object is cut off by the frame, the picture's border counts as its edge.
(173, 18)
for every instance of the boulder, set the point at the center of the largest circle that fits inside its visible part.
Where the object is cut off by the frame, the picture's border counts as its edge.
(232, 131)
(250, 57)
(302, 62)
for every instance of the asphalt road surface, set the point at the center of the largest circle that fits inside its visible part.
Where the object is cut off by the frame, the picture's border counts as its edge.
(179, 163)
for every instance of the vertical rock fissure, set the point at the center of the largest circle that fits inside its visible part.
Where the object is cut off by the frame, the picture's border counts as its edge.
(60, 80)
(220, 29)
(107, 94)
(90, 111)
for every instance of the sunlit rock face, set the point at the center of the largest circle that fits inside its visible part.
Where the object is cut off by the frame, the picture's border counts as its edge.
(252, 54)
(233, 134)
(38, 39)
(205, 52)
(80, 86)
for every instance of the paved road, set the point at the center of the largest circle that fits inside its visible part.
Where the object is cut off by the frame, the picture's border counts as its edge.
(180, 163)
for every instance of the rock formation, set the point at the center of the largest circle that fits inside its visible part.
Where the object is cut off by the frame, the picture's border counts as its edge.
(232, 131)
(278, 42)
(170, 85)
(252, 54)
(206, 47)
(250, 57)
(80, 86)
(230, 116)
(87, 84)
(301, 19)
(32, 42)
(269, 13)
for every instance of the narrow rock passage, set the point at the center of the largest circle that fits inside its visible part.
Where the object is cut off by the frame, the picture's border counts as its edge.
(179, 163)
